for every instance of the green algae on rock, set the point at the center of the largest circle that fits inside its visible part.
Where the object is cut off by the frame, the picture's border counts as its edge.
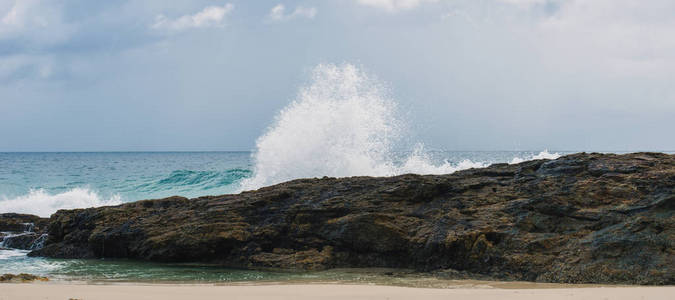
(12, 222)
(23, 277)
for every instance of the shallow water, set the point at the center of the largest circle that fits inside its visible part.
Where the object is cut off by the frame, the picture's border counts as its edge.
(121, 270)
(117, 271)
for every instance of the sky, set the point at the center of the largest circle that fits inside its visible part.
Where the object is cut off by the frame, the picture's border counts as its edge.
(155, 75)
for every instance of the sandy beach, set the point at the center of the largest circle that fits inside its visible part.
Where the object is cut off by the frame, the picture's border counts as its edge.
(314, 291)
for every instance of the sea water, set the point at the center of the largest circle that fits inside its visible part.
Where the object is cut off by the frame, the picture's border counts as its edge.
(342, 123)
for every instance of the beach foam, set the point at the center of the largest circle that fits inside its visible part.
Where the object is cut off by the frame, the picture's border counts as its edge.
(39, 202)
(542, 155)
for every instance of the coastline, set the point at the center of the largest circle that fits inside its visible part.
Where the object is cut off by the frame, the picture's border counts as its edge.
(59, 290)
(501, 228)
(581, 218)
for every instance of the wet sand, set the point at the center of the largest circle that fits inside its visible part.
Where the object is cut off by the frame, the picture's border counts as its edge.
(56, 290)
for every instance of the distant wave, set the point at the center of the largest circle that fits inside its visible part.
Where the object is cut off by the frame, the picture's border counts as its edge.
(199, 180)
(39, 202)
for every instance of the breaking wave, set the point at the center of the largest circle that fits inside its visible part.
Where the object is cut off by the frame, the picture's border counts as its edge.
(191, 180)
(39, 202)
(342, 124)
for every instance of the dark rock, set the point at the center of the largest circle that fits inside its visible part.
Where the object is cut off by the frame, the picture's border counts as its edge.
(24, 241)
(20, 231)
(583, 218)
(11, 222)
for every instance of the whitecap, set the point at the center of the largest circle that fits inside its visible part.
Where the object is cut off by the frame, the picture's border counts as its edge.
(542, 155)
(39, 202)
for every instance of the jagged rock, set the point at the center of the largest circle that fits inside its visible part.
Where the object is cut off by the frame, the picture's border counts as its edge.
(24, 241)
(11, 222)
(20, 231)
(582, 218)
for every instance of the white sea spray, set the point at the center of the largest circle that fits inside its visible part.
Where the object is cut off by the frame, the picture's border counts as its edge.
(342, 124)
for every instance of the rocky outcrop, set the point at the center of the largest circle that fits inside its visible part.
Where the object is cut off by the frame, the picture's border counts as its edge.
(24, 241)
(582, 218)
(11, 222)
(20, 231)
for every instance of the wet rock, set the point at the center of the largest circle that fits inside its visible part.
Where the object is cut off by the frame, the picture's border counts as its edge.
(20, 231)
(583, 218)
(11, 222)
(23, 277)
(24, 241)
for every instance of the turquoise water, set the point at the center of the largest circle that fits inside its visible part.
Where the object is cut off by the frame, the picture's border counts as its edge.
(41, 183)
(105, 270)
(133, 176)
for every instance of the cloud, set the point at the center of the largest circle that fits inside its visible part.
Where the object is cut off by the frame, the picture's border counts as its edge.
(211, 16)
(620, 36)
(278, 13)
(34, 22)
(27, 29)
(394, 5)
(608, 37)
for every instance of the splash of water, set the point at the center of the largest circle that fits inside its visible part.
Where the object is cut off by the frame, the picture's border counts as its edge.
(542, 155)
(39, 202)
(342, 124)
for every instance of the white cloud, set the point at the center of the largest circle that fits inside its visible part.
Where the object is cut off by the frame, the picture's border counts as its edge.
(605, 37)
(278, 13)
(34, 25)
(211, 16)
(34, 21)
(623, 36)
(393, 5)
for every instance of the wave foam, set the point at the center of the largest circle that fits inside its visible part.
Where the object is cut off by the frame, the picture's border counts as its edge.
(542, 155)
(342, 124)
(39, 202)
(419, 162)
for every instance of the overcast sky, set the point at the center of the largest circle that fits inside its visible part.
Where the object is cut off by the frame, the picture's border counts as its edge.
(86, 75)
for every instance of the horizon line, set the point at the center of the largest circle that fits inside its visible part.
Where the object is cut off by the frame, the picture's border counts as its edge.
(242, 151)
